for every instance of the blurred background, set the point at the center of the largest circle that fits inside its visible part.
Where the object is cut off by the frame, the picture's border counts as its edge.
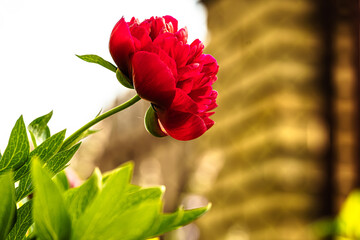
(284, 151)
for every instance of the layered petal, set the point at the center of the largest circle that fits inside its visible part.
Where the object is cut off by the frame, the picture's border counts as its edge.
(173, 21)
(181, 125)
(141, 37)
(183, 103)
(122, 47)
(153, 79)
(182, 35)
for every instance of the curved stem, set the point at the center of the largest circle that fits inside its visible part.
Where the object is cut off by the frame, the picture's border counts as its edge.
(68, 142)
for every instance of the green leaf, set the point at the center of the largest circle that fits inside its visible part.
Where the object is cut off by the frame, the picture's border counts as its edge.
(25, 187)
(23, 222)
(49, 147)
(58, 161)
(43, 152)
(61, 180)
(77, 138)
(169, 222)
(77, 199)
(51, 218)
(7, 204)
(132, 211)
(17, 151)
(151, 123)
(98, 60)
(39, 131)
(125, 81)
(136, 211)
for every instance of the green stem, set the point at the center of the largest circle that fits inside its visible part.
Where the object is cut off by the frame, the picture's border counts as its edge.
(68, 142)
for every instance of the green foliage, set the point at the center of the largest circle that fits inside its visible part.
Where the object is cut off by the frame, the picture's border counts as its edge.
(18, 158)
(168, 222)
(45, 152)
(58, 162)
(103, 207)
(110, 209)
(23, 221)
(61, 181)
(17, 151)
(39, 130)
(7, 204)
(51, 218)
(91, 58)
(77, 199)
(78, 137)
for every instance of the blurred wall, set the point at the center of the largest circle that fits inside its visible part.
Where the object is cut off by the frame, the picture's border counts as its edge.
(287, 123)
(271, 129)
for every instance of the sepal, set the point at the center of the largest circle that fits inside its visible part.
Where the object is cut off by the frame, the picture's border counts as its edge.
(125, 81)
(152, 123)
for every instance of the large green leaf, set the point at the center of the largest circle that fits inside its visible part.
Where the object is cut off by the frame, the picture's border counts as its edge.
(133, 210)
(23, 222)
(75, 139)
(49, 147)
(77, 199)
(39, 130)
(7, 204)
(98, 60)
(168, 222)
(51, 218)
(58, 161)
(43, 152)
(131, 215)
(61, 181)
(17, 151)
(25, 187)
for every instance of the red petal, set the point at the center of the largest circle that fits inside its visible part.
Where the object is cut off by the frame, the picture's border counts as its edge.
(182, 35)
(183, 103)
(157, 26)
(141, 34)
(189, 71)
(173, 21)
(121, 46)
(210, 64)
(181, 54)
(167, 42)
(153, 80)
(182, 126)
(196, 49)
(208, 122)
(186, 85)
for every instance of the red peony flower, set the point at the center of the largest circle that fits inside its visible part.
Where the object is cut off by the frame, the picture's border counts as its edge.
(174, 76)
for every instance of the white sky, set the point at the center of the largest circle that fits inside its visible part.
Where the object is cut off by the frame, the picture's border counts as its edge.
(39, 71)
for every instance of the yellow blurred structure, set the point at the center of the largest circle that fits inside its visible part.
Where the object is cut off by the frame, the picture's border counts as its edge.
(287, 124)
